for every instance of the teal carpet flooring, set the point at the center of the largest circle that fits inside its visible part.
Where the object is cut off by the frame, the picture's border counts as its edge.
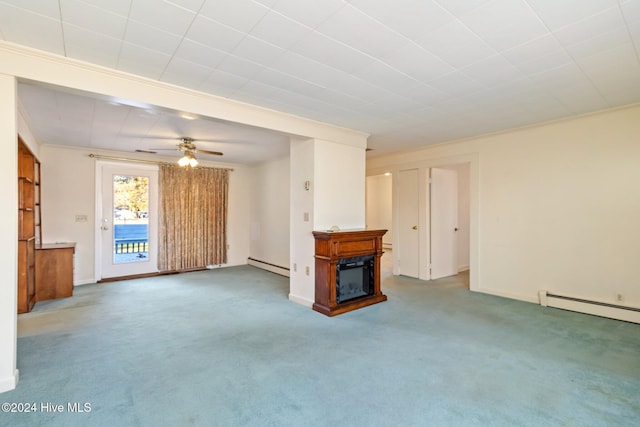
(226, 347)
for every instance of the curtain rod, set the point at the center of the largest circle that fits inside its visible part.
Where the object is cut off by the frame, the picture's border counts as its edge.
(125, 159)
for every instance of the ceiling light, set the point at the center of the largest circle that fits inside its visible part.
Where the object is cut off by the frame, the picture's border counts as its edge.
(188, 160)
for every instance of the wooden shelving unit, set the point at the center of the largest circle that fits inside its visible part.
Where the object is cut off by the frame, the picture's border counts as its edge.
(28, 225)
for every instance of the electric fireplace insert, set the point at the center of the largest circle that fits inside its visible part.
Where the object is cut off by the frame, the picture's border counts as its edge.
(354, 278)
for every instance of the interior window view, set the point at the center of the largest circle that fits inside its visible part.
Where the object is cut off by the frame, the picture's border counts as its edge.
(319, 213)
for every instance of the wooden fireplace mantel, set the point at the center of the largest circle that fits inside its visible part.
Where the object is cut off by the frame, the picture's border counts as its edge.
(330, 248)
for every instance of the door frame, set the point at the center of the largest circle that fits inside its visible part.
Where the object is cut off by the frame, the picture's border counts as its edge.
(424, 165)
(100, 167)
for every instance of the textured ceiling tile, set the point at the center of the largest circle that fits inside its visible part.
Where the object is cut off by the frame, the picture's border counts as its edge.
(192, 5)
(17, 26)
(239, 67)
(557, 14)
(120, 7)
(386, 78)
(151, 38)
(199, 53)
(412, 18)
(91, 47)
(599, 43)
(222, 83)
(185, 73)
(456, 44)
(282, 80)
(162, 15)
(93, 18)
(591, 27)
(279, 30)
(361, 32)
(456, 83)
(461, 7)
(553, 60)
(630, 10)
(48, 8)
(414, 61)
(504, 24)
(614, 64)
(139, 60)
(241, 15)
(308, 12)
(258, 51)
(493, 70)
(213, 34)
(328, 51)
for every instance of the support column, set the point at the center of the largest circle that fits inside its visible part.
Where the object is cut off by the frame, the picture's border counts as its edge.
(327, 189)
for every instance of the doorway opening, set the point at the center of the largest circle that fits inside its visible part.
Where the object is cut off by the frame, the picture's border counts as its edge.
(449, 220)
(127, 206)
(415, 222)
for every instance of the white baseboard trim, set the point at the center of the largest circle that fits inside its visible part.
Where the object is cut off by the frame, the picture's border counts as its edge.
(268, 266)
(10, 383)
(462, 268)
(506, 295)
(300, 300)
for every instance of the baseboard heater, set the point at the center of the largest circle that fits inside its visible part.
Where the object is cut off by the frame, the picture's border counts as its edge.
(596, 308)
(283, 271)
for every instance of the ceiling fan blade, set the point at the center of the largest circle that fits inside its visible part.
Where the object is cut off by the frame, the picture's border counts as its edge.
(215, 153)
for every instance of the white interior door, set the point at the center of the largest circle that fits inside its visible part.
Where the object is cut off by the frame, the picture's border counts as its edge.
(408, 253)
(444, 222)
(127, 234)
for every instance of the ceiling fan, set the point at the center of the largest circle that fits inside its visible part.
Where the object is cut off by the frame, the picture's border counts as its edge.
(188, 147)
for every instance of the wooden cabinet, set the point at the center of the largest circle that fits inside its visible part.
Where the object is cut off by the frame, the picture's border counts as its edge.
(28, 223)
(331, 249)
(54, 270)
(26, 275)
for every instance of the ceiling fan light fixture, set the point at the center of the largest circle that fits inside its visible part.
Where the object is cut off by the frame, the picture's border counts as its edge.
(188, 160)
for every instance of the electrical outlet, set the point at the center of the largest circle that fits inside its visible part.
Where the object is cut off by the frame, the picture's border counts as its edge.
(305, 216)
(307, 270)
(295, 267)
(81, 218)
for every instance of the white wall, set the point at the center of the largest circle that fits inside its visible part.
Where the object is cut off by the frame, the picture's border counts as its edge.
(339, 180)
(379, 206)
(68, 189)
(555, 206)
(9, 232)
(302, 246)
(24, 130)
(270, 212)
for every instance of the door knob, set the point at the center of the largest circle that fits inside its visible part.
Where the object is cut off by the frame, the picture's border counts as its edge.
(415, 227)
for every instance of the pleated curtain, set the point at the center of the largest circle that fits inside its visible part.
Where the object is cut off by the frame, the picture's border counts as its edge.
(192, 217)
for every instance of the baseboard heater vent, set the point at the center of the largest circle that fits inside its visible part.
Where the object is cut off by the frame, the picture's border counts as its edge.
(596, 308)
(283, 271)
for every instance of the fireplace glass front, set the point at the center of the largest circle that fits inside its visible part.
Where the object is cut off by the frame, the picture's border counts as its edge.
(354, 278)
